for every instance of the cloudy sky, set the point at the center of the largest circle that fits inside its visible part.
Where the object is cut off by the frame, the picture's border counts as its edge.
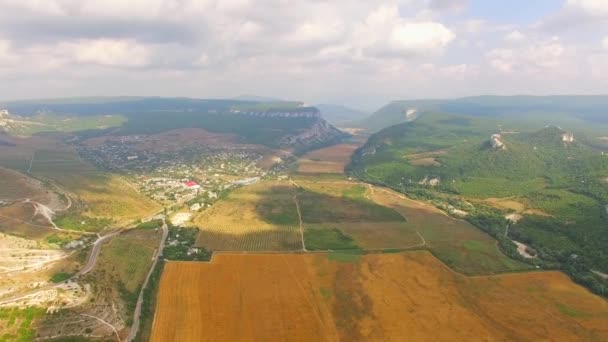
(357, 52)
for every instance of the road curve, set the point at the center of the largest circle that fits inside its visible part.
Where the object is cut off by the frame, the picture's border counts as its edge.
(95, 252)
(140, 299)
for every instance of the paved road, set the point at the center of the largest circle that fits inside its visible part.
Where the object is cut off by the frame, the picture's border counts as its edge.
(88, 267)
(140, 299)
(92, 260)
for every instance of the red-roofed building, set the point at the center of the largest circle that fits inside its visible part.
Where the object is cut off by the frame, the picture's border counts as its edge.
(192, 185)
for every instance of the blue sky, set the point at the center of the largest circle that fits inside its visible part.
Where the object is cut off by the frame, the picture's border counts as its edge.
(513, 11)
(353, 52)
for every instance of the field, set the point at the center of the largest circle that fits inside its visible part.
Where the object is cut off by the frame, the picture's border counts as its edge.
(55, 123)
(262, 216)
(371, 297)
(129, 256)
(375, 235)
(16, 186)
(16, 324)
(105, 195)
(327, 160)
(457, 243)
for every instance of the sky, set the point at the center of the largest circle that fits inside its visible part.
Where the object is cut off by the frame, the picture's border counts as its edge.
(361, 53)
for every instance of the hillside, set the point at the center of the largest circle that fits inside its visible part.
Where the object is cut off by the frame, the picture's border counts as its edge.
(553, 179)
(574, 111)
(274, 124)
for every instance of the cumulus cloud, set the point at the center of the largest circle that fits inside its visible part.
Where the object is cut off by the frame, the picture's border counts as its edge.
(108, 52)
(226, 45)
(538, 56)
(590, 7)
(515, 37)
(420, 37)
(577, 13)
(385, 32)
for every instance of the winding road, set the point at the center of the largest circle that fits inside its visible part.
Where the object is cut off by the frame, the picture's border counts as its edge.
(95, 252)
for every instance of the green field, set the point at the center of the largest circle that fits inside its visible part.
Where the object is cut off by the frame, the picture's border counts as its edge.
(129, 257)
(16, 324)
(328, 239)
(63, 123)
(457, 243)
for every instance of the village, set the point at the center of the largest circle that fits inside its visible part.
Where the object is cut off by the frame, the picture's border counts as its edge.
(185, 180)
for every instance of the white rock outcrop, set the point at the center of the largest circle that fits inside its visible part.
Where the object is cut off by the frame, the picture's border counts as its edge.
(568, 137)
(411, 114)
(496, 142)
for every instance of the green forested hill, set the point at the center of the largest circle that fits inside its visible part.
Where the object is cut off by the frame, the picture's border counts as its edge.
(450, 160)
(571, 111)
(274, 124)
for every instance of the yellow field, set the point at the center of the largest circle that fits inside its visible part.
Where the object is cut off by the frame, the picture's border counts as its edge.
(262, 216)
(390, 297)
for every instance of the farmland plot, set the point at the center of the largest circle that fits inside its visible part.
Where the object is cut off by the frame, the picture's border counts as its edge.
(259, 217)
(379, 297)
(457, 243)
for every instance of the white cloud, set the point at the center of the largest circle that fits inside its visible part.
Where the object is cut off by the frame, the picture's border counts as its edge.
(385, 32)
(515, 37)
(108, 52)
(605, 43)
(6, 55)
(316, 31)
(534, 57)
(420, 37)
(590, 7)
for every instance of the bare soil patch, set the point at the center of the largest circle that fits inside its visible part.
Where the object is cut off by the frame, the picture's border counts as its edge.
(327, 160)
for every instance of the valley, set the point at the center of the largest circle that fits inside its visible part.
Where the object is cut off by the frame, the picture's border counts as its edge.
(262, 221)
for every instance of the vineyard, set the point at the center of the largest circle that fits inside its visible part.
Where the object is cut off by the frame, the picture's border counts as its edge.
(376, 235)
(129, 256)
(281, 239)
(259, 217)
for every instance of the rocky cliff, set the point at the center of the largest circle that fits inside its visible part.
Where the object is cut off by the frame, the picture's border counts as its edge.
(318, 134)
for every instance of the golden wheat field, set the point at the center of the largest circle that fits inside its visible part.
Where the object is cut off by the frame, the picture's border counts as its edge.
(259, 217)
(382, 297)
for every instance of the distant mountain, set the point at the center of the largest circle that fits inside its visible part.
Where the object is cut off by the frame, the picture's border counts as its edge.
(274, 124)
(559, 109)
(341, 115)
(255, 98)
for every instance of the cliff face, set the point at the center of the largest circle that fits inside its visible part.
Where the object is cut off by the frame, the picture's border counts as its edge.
(302, 112)
(303, 127)
(318, 134)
